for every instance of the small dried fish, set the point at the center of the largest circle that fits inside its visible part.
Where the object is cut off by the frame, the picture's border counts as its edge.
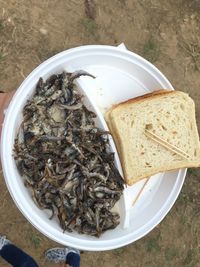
(65, 159)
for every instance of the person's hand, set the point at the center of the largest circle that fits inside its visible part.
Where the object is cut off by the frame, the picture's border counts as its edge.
(4, 102)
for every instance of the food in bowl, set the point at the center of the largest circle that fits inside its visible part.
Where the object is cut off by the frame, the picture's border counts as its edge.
(65, 160)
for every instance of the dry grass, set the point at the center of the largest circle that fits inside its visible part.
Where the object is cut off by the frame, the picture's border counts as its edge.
(193, 50)
(151, 50)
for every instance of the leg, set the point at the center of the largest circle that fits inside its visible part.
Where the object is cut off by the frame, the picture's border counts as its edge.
(16, 256)
(73, 259)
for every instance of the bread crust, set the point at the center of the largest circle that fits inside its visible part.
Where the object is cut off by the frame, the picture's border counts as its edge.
(181, 166)
(157, 93)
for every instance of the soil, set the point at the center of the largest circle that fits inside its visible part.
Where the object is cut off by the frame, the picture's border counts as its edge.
(165, 32)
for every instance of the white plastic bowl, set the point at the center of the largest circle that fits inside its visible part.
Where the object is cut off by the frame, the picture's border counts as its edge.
(120, 75)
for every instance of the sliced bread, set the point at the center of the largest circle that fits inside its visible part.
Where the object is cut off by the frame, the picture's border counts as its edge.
(169, 115)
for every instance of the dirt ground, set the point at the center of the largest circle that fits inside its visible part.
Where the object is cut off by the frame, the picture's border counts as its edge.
(165, 32)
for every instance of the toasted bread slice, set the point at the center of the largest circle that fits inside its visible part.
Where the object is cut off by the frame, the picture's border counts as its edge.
(169, 115)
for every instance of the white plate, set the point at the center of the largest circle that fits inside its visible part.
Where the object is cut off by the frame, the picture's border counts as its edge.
(120, 75)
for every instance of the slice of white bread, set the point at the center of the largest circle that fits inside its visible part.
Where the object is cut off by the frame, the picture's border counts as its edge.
(168, 114)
